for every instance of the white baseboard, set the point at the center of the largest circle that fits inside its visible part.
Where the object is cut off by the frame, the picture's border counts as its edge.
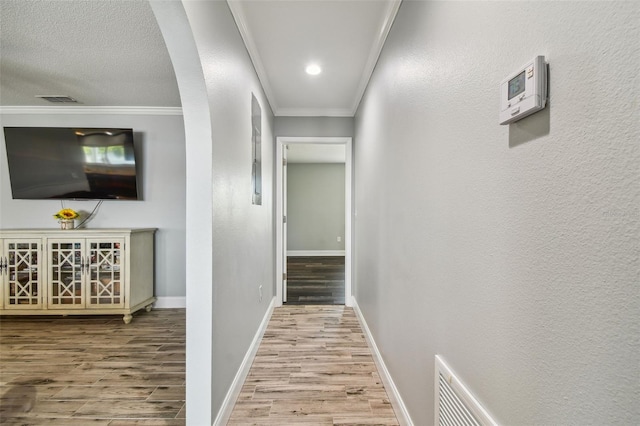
(170, 302)
(232, 395)
(305, 253)
(394, 396)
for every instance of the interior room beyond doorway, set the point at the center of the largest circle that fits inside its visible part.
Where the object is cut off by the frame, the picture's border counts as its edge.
(315, 206)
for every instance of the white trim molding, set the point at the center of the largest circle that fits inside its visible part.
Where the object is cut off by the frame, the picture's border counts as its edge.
(170, 303)
(111, 110)
(243, 371)
(281, 142)
(390, 16)
(237, 12)
(294, 253)
(394, 395)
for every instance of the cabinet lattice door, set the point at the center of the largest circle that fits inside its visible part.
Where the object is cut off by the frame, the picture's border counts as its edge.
(78, 272)
(66, 266)
(23, 286)
(105, 273)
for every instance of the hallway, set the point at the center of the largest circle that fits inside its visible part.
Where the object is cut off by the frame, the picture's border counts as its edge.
(313, 367)
(510, 251)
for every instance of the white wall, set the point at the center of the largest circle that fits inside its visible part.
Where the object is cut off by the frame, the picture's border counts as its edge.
(230, 242)
(512, 251)
(315, 206)
(160, 152)
(314, 126)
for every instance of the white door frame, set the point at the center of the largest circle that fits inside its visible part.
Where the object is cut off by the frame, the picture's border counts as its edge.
(281, 141)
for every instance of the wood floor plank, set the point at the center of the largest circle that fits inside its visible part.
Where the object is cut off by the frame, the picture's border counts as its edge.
(319, 408)
(125, 408)
(147, 422)
(167, 393)
(103, 392)
(284, 421)
(32, 421)
(362, 421)
(249, 409)
(293, 392)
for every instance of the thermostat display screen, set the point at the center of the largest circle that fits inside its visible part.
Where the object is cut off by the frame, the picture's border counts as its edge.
(516, 85)
(524, 91)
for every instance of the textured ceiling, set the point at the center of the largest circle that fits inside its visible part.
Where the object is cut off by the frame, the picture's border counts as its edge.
(111, 52)
(102, 53)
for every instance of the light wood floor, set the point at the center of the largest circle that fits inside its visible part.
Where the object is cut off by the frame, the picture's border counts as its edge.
(313, 367)
(315, 280)
(93, 370)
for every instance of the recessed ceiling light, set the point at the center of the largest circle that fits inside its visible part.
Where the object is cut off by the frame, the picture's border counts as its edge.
(313, 69)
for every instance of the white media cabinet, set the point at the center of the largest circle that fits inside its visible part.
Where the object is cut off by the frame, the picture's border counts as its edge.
(76, 272)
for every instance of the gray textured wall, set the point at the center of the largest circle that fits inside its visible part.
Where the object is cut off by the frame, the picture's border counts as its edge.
(229, 241)
(512, 251)
(315, 206)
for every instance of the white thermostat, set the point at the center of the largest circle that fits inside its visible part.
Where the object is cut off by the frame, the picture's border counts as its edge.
(524, 92)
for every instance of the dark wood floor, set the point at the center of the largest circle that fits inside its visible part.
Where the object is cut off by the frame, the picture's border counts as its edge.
(315, 280)
(93, 370)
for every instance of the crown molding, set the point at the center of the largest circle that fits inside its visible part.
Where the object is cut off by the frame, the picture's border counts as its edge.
(238, 14)
(112, 110)
(241, 22)
(376, 49)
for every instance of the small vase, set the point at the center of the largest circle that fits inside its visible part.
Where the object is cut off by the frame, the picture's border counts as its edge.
(67, 223)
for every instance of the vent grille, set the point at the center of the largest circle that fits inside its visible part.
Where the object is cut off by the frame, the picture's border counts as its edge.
(452, 411)
(454, 404)
(58, 99)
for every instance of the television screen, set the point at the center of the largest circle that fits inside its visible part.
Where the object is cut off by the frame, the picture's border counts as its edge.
(71, 163)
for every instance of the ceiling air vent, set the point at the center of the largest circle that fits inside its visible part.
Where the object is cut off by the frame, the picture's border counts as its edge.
(58, 99)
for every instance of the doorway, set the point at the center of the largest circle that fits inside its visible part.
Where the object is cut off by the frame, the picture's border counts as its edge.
(330, 263)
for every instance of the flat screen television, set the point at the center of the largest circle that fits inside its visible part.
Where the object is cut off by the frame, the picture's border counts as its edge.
(71, 163)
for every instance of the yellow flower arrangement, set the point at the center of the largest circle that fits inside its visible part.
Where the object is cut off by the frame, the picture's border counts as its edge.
(66, 214)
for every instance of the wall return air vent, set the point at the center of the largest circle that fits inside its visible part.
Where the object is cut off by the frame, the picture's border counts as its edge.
(58, 99)
(454, 404)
